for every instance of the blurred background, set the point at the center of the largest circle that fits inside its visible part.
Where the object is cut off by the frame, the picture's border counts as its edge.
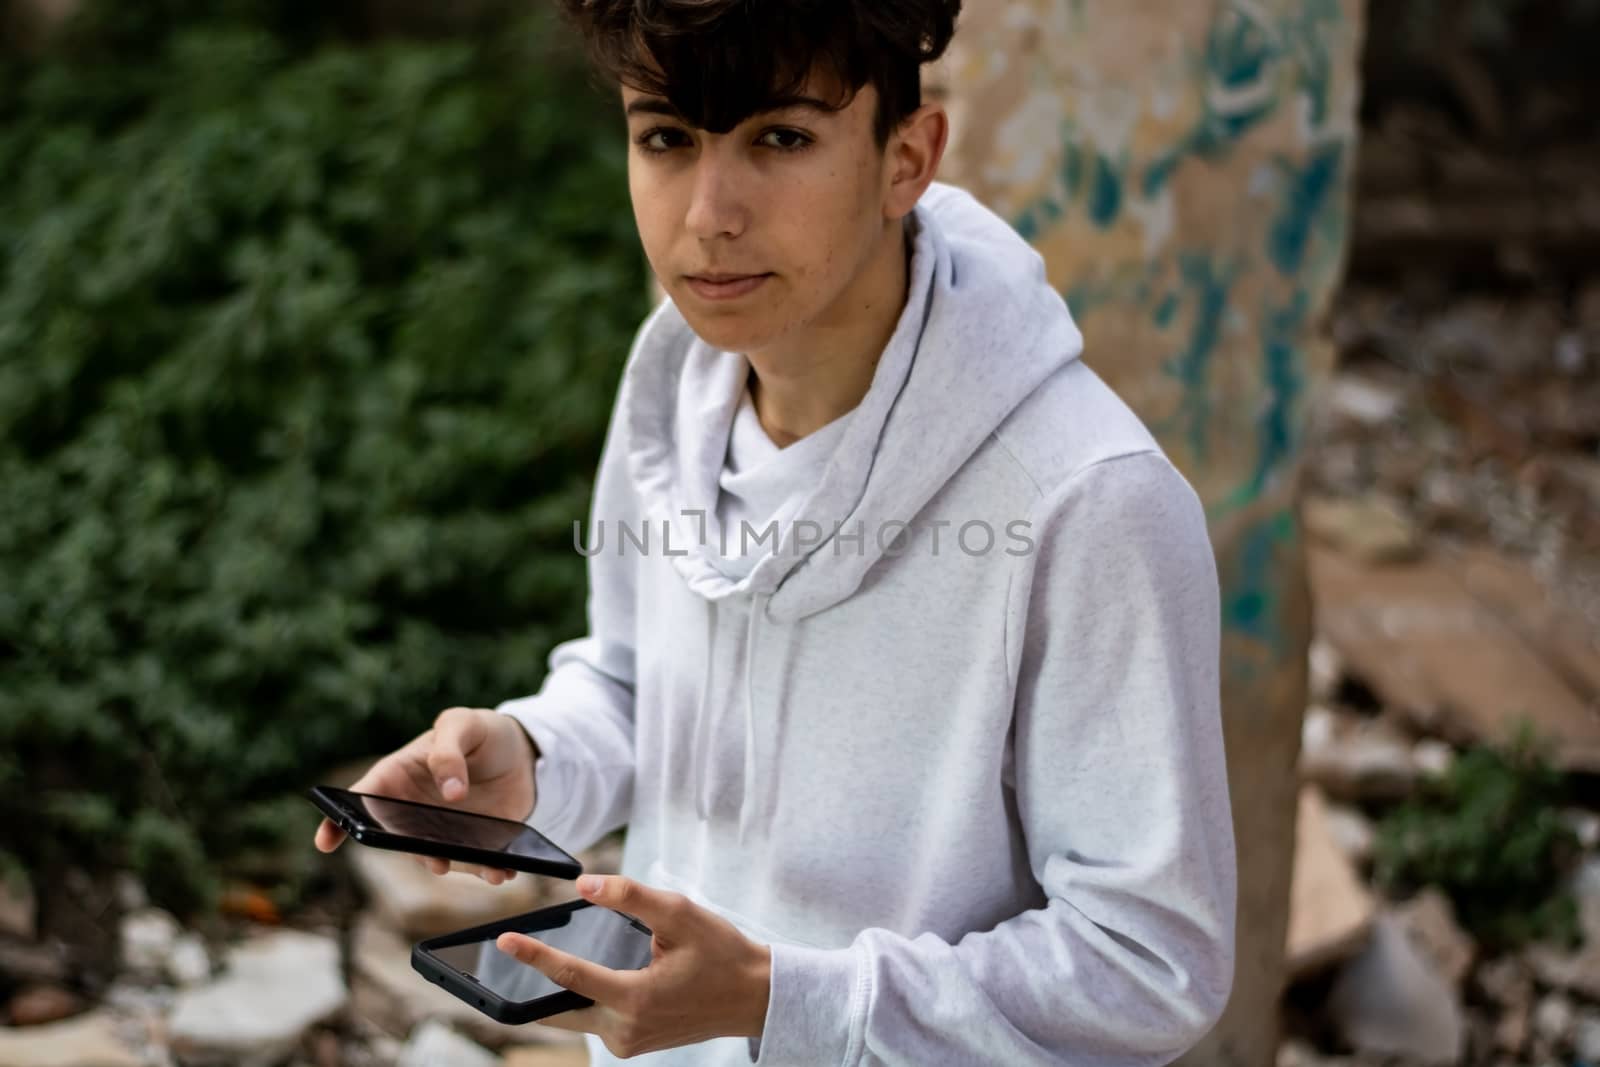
(311, 316)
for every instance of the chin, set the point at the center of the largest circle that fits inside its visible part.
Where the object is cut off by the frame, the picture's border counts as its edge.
(727, 335)
(733, 330)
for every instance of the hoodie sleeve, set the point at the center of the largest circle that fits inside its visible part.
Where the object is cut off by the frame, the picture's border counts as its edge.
(1113, 640)
(582, 717)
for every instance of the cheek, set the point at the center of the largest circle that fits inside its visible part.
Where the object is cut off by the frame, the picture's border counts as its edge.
(836, 236)
(651, 221)
(824, 223)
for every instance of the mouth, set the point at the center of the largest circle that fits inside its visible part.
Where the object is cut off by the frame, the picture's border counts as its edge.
(725, 286)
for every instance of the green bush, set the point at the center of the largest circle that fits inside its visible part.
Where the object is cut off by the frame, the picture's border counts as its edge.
(306, 352)
(1491, 836)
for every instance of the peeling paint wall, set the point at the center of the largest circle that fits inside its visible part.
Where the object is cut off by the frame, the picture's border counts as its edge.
(1185, 170)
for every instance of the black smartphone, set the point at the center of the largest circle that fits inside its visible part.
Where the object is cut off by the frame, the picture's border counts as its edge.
(468, 964)
(431, 830)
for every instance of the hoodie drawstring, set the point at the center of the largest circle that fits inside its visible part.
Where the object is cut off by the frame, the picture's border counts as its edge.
(747, 806)
(701, 767)
(712, 713)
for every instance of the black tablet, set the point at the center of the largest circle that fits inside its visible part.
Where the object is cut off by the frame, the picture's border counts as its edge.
(468, 964)
(448, 833)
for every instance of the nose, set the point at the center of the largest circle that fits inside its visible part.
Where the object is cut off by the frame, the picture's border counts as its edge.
(716, 202)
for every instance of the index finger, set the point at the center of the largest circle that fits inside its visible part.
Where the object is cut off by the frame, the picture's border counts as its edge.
(600, 984)
(328, 836)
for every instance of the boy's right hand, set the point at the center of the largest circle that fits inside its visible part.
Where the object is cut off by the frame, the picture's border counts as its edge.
(473, 759)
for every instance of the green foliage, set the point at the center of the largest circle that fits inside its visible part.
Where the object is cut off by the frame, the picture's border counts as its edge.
(306, 352)
(1491, 836)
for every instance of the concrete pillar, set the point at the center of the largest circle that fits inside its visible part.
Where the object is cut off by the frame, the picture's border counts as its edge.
(1185, 170)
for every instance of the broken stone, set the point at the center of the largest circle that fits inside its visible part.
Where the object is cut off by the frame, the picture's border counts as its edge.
(1355, 758)
(1511, 1030)
(141, 1009)
(384, 1049)
(1506, 981)
(1330, 909)
(40, 1004)
(1553, 1018)
(325, 1048)
(1390, 1000)
(422, 904)
(389, 994)
(1432, 651)
(138, 998)
(148, 937)
(1586, 1036)
(27, 962)
(436, 1045)
(1430, 922)
(1584, 884)
(1509, 337)
(1577, 971)
(189, 963)
(1545, 622)
(17, 911)
(272, 990)
(1447, 502)
(1326, 670)
(1352, 831)
(1570, 353)
(1363, 400)
(87, 1041)
(1432, 758)
(129, 892)
(1296, 1053)
(575, 1055)
(1370, 529)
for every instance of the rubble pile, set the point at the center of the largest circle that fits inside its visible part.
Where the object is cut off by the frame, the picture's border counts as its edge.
(335, 993)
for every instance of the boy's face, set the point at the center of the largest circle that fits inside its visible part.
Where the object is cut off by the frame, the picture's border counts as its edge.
(795, 201)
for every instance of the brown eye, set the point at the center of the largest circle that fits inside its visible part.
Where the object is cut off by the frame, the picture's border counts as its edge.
(649, 143)
(789, 140)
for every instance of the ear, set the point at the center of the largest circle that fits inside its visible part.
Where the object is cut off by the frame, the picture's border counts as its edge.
(911, 158)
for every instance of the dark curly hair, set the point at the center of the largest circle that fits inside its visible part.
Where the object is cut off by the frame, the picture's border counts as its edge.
(720, 61)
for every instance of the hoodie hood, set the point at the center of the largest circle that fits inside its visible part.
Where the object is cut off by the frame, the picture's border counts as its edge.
(982, 328)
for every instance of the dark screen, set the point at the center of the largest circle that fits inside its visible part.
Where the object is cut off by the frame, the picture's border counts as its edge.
(441, 825)
(596, 934)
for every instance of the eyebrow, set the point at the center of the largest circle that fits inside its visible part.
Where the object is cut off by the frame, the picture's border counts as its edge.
(655, 105)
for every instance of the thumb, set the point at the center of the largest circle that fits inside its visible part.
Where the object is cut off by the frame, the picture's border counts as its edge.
(665, 913)
(455, 733)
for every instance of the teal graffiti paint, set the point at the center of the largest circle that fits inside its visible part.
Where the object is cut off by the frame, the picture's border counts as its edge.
(1283, 371)
(1252, 602)
(1283, 375)
(1307, 37)
(1167, 310)
(1306, 195)
(1026, 225)
(1208, 285)
(1105, 192)
(1239, 54)
(1072, 167)
(1238, 49)
(1159, 173)
(1131, 283)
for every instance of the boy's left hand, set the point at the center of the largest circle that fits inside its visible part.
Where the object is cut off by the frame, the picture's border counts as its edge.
(705, 978)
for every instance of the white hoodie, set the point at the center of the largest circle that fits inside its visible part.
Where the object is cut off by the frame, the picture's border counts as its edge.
(973, 796)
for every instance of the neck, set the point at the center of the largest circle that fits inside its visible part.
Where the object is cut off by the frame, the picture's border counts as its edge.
(823, 372)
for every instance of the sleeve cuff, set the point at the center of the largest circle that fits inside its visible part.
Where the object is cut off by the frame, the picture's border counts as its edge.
(817, 1009)
(549, 769)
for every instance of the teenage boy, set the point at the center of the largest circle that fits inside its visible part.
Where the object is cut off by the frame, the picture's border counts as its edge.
(902, 662)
